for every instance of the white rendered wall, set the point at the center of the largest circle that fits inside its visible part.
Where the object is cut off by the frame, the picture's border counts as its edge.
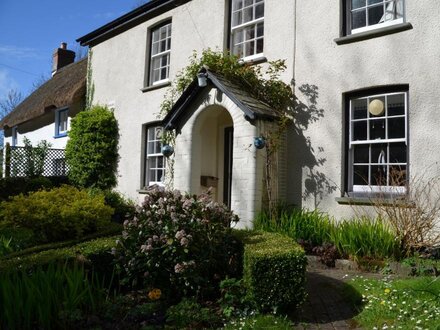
(409, 57)
(302, 33)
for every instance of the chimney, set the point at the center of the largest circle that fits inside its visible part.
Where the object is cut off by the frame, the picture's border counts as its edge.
(62, 57)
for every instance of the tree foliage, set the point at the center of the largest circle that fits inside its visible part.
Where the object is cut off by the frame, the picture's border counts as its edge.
(13, 98)
(92, 150)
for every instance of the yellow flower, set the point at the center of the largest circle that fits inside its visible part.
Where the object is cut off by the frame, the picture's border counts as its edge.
(387, 291)
(382, 302)
(154, 294)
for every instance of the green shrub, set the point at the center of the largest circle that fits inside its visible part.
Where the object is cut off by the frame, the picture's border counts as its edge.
(177, 242)
(23, 185)
(110, 229)
(365, 237)
(92, 149)
(58, 214)
(124, 207)
(299, 224)
(96, 253)
(45, 297)
(190, 314)
(273, 270)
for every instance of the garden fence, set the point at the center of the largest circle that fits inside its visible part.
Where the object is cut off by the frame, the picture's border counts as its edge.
(26, 162)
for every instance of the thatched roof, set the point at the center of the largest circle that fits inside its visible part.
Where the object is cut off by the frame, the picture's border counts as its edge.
(66, 87)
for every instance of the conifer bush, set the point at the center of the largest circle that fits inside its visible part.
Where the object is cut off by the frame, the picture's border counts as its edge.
(92, 150)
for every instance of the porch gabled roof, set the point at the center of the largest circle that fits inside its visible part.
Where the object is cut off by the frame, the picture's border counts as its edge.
(253, 109)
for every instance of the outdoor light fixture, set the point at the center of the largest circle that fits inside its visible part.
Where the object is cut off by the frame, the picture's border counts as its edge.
(167, 150)
(259, 142)
(203, 79)
(376, 107)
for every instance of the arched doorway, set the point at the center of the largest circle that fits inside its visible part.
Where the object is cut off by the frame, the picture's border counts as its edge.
(212, 153)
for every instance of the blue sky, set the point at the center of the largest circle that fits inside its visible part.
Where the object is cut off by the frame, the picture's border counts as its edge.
(30, 30)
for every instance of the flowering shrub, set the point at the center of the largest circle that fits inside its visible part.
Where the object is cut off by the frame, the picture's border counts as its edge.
(177, 242)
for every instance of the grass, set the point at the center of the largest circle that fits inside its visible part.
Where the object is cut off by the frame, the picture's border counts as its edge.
(44, 297)
(397, 304)
(356, 238)
(259, 322)
(302, 224)
(365, 237)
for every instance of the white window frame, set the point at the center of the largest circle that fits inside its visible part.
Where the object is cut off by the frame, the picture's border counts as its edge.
(159, 55)
(368, 187)
(58, 117)
(369, 27)
(14, 136)
(239, 28)
(152, 157)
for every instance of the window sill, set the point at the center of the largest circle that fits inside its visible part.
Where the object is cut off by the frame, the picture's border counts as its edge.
(58, 136)
(371, 201)
(153, 87)
(254, 61)
(373, 33)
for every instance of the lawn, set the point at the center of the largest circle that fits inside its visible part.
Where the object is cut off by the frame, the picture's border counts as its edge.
(398, 304)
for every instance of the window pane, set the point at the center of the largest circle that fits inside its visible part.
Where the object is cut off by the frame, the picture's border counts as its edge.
(359, 131)
(396, 128)
(397, 176)
(260, 45)
(379, 175)
(236, 18)
(360, 175)
(248, 3)
(396, 104)
(375, 106)
(397, 153)
(357, 4)
(375, 14)
(260, 30)
(359, 108)
(379, 153)
(361, 154)
(250, 33)
(377, 129)
(237, 4)
(358, 19)
(259, 11)
(248, 14)
(152, 176)
(372, 2)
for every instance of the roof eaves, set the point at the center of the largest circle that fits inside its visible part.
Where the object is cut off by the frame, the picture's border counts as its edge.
(129, 20)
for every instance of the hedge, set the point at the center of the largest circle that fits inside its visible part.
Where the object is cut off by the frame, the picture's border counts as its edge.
(274, 269)
(97, 253)
(111, 229)
(22, 185)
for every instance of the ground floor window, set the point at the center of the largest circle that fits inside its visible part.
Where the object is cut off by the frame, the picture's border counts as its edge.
(378, 143)
(154, 160)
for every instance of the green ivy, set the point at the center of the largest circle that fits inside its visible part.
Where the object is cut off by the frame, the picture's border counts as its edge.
(92, 150)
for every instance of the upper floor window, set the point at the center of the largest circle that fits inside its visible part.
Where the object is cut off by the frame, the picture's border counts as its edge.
(61, 122)
(154, 160)
(160, 54)
(364, 15)
(247, 28)
(378, 143)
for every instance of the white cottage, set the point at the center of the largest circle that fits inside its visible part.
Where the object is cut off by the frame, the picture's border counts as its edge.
(365, 72)
(47, 112)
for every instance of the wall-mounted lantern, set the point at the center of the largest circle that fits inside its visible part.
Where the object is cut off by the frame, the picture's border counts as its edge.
(167, 150)
(259, 142)
(202, 79)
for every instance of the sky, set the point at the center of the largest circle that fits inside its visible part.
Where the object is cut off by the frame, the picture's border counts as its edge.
(30, 31)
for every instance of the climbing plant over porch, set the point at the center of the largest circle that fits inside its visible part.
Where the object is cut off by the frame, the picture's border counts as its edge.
(262, 82)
